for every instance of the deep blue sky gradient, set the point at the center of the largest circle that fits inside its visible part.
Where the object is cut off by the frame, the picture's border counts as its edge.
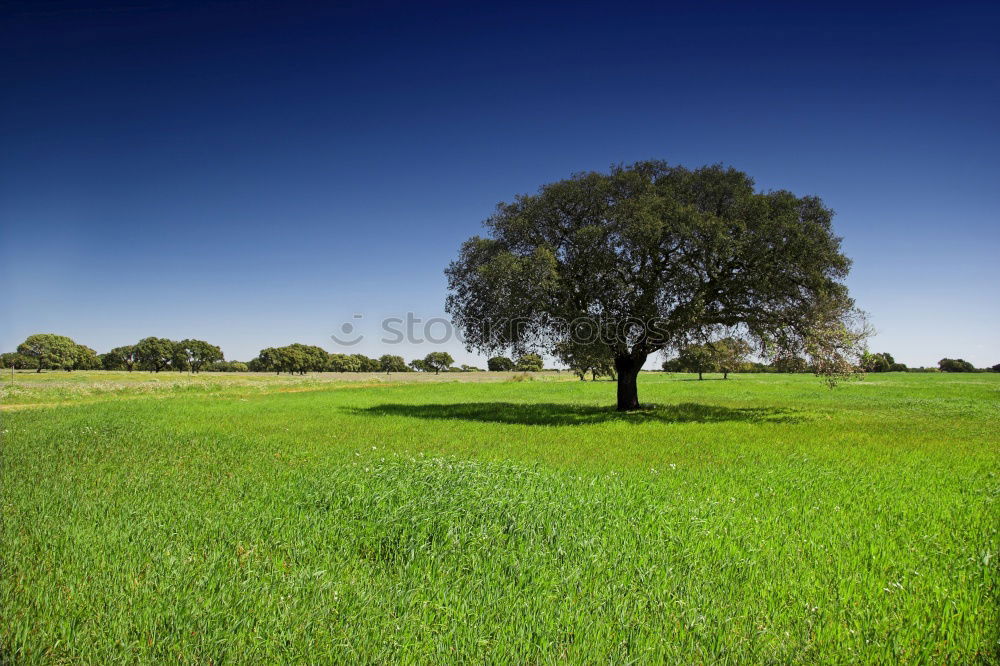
(256, 173)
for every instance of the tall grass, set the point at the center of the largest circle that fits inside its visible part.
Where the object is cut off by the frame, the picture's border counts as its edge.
(760, 519)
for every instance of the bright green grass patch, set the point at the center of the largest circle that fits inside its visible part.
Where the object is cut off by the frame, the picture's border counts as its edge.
(764, 518)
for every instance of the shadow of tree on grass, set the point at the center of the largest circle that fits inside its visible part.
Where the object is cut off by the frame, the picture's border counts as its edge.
(570, 414)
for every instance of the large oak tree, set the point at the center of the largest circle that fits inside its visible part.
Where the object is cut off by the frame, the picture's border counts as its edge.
(652, 256)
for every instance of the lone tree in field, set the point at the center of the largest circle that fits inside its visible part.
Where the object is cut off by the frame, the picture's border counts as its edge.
(730, 354)
(438, 361)
(698, 358)
(654, 257)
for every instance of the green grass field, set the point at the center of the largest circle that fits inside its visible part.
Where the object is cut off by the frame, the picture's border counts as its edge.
(258, 519)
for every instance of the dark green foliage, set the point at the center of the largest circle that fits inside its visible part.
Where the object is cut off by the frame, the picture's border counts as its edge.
(500, 364)
(85, 358)
(49, 351)
(226, 366)
(120, 358)
(655, 257)
(955, 365)
(155, 354)
(883, 362)
(438, 361)
(343, 363)
(197, 353)
(18, 361)
(391, 363)
(366, 364)
(295, 358)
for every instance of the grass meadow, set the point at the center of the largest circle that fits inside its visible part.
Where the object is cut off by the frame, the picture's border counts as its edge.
(255, 519)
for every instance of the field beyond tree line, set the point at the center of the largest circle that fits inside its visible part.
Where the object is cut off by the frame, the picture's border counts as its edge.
(254, 518)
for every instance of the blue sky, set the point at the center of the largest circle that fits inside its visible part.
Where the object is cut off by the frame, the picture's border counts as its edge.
(257, 173)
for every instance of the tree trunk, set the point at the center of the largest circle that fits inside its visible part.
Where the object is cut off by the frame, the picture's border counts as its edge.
(725, 374)
(699, 375)
(628, 368)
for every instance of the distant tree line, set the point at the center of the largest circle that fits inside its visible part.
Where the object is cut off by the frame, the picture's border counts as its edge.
(48, 351)
(730, 355)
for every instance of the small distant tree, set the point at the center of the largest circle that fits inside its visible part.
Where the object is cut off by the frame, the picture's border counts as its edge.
(500, 364)
(672, 365)
(528, 363)
(438, 361)
(390, 363)
(995, 368)
(584, 357)
(49, 350)
(419, 365)
(730, 354)
(698, 358)
(883, 362)
(955, 365)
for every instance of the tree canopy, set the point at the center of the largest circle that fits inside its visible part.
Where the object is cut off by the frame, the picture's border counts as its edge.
(528, 363)
(155, 354)
(955, 365)
(438, 361)
(499, 364)
(49, 350)
(197, 353)
(652, 256)
(392, 363)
